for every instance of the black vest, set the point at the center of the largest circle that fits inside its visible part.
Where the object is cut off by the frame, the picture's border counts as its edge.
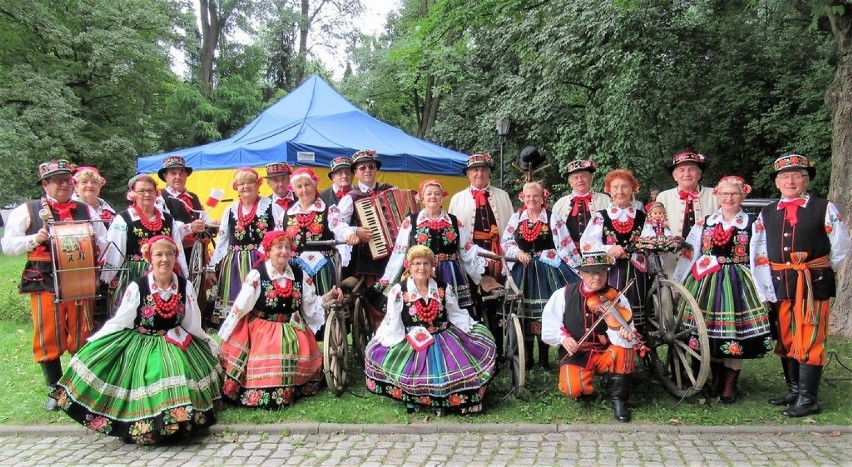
(328, 197)
(136, 232)
(278, 309)
(807, 235)
(303, 235)
(179, 210)
(435, 240)
(577, 319)
(156, 322)
(38, 275)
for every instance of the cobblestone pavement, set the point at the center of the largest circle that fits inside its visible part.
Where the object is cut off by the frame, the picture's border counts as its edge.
(385, 445)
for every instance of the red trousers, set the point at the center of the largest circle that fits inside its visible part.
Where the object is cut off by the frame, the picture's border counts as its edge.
(58, 327)
(799, 339)
(575, 381)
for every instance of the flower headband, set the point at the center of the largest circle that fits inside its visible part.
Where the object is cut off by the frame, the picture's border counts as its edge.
(733, 180)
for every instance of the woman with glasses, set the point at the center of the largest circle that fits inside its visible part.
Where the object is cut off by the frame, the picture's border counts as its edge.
(130, 230)
(717, 272)
(243, 226)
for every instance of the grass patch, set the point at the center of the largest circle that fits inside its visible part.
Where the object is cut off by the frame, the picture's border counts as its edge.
(24, 391)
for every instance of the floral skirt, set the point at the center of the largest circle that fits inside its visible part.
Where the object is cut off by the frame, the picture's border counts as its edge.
(453, 372)
(538, 281)
(268, 364)
(140, 387)
(737, 323)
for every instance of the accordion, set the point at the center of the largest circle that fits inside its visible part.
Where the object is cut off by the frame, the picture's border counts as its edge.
(383, 214)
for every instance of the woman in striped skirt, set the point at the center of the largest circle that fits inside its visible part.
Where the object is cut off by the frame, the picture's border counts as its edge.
(428, 352)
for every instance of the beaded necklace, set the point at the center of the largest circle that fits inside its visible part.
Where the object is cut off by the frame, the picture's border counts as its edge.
(531, 233)
(151, 225)
(245, 220)
(426, 313)
(721, 237)
(281, 291)
(166, 308)
(622, 227)
(305, 220)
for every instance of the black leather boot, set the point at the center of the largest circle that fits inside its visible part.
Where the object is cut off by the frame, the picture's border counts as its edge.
(729, 386)
(806, 403)
(52, 373)
(543, 354)
(528, 352)
(791, 376)
(619, 390)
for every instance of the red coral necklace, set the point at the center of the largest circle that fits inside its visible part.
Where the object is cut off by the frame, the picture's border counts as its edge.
(151, 225)
(166, 308)
(426, 313)
(245, 220)
(531, 233)
(721, 237)
(622, 227)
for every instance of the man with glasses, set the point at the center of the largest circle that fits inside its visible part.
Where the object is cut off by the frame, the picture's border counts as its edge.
(57, 327)
(688, 203)
(797, 245)
(278, 178)
(341, 176)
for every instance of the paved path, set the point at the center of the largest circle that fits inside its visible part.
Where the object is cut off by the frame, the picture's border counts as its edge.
(437, 444)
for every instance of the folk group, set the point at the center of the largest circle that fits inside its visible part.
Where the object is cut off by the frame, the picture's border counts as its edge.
(144, 367)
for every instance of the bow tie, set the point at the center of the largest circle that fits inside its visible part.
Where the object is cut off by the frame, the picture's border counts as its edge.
(283, 202)
(790, 209)
(585, 199)
(341, 193)
(64, 209)
(688, 195)
(480, 197)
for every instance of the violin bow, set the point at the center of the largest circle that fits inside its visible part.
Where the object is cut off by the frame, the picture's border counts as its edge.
(608, 310)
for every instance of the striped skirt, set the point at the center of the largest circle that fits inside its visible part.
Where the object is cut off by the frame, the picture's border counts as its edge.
(268, 364)
(235, 267)
(452, 373)
(131, 270)
(538, 281)
(619, 275)
(451, 272)
(737, 323)
(140, 387)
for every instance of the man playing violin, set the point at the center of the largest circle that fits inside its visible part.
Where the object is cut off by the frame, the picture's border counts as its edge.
(593, 326)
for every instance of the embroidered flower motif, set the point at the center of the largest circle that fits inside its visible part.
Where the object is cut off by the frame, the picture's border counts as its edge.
(231, 387)
(425, 400)
(693, 343)
(98, 423)
(740, 250)
(252, 397)
(687, 253)
(454, 399)
(828, 229)
(704, 262)
(535, 328)
(147, 311)
(732, 348)
(761, 260)
(180, 414)
(758, 227)
(199, 418)
(396, 393)
(140, 428)
(371, 385)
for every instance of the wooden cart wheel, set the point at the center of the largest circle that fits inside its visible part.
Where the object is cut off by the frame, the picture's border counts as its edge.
(672, 349)
(361, 331)
(514, 353)
(335, 354)
(196, 267)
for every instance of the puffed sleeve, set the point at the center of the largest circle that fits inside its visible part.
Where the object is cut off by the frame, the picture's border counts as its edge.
(347, 207)
(192, 323)
(565, 247)
(341, 231)
(125, 315)
(759, 259)
(223, 240)
(15, 240)
(312, 309)
(507, 240)
(460, 318)
(391, 331)
(473, 264)
(245, 301)
(552, 329)
(687, 257)
(592, 238)
(400, 248)
(838, 236)
(113, 257)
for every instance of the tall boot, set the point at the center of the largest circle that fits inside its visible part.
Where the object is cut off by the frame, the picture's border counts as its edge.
(619, 390)
(791, 376)
(52, 373)
(729, 386)
(543, 354)
(806, 403)
(528, 351)
(717, 378)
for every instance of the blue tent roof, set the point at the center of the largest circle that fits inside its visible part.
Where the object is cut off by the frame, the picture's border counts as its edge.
(312, 125)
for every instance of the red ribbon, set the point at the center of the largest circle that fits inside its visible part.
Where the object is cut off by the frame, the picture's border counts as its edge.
(790, 209)
(480, 197)
(283, 202)
(64, 209)
(341, 193)
(585, 199)
(688, 195)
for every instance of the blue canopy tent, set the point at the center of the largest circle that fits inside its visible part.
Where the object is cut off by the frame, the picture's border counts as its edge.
(309, 127)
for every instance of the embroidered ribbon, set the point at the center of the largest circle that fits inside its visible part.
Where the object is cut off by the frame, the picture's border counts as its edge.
(803, 303)
(790, 209)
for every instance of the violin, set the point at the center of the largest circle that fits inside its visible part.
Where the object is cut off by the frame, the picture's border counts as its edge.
(600, 303)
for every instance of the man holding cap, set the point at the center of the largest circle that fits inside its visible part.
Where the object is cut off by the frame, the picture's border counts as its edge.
(63, 326)
(797, 245)
(341, 175)
(573, 311)
(577, 207)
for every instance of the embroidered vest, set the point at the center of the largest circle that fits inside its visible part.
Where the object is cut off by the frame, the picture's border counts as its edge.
(149, 319)
(443, 241)
(136, 232)
(274, 308)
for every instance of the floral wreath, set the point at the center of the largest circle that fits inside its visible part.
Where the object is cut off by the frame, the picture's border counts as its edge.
(734, 180)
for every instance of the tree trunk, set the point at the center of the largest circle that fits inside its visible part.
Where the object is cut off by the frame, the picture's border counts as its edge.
(210, 31)
(838, 99)
(304, 27)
